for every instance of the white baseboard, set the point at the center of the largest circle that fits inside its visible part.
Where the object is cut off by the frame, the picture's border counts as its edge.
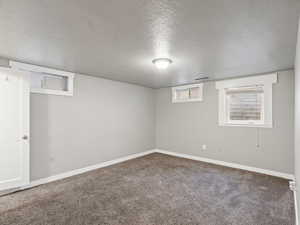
(122, 159)
(296, 206)
(232, 165)
(137, 155)
(83, 170)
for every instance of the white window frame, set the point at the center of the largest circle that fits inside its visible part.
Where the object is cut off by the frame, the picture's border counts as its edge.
(266, 81)
(47, 71)
(199, 99)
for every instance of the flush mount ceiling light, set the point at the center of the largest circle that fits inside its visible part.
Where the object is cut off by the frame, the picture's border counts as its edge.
(162, 63)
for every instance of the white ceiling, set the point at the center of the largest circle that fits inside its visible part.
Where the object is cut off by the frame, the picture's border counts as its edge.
(118, 39)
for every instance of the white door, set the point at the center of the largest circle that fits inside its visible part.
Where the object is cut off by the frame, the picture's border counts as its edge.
(14, 129)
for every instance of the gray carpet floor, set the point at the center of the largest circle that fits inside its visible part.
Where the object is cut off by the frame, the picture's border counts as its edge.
(155, 189)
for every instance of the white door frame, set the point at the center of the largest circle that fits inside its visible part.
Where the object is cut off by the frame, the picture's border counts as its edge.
(24, 133)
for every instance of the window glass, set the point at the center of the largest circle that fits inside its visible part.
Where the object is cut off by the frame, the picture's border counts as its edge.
(182, 94)
(194, 92)
(245, 104)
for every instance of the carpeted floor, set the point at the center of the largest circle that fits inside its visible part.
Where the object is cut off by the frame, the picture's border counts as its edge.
(155, 189)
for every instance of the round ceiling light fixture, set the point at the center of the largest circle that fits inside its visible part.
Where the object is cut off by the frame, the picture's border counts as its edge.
(162, 63)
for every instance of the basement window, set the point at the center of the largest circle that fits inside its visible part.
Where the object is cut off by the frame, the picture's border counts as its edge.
(246, 101)
(245, 105)
(187, 93)
(46, 80)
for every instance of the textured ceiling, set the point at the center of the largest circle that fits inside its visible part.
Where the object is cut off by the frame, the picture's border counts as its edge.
(118, 39)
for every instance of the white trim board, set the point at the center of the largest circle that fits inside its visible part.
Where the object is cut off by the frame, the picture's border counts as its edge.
(122, 159)
(137, 155)
(293, 187)
(78, 171)
(247, 81)
(85, 169)
(296, 208)
(227, 164)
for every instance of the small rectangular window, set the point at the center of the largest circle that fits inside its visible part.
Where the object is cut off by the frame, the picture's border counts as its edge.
(45, 80)
(187, 93)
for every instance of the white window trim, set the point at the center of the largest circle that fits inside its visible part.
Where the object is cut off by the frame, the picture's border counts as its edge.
(174, 89)
(266, 81)
(40, 69)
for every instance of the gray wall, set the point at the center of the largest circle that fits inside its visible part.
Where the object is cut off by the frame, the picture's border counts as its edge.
(104, 120)
(185, 127)
(4, 62)
(297, 119)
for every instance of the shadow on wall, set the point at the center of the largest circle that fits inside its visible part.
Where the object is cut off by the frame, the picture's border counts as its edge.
(40, 154)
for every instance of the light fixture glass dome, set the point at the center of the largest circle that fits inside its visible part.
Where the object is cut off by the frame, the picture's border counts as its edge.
(162, 63)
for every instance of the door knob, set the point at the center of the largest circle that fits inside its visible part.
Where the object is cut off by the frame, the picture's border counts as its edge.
(25, 137)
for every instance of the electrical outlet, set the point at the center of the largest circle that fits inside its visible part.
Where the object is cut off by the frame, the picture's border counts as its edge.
(204, 147)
